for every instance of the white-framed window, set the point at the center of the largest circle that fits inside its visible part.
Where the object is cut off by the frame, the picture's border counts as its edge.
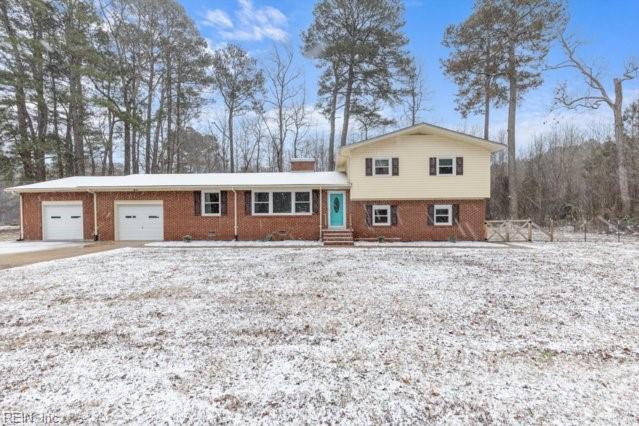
(302, 202)
(443, 215)
(282, 203)
(381, 215)
(381, 166)
(211, 203)
(445, 166)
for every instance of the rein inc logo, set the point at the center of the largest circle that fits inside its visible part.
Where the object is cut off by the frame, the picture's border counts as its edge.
(21, 417)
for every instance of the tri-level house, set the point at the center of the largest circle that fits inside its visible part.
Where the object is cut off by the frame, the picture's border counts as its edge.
(419, 183)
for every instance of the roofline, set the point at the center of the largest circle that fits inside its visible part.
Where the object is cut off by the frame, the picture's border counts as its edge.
(18, 189)
(497, 146)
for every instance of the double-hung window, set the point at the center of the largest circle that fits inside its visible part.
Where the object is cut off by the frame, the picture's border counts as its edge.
(281, 202)
(445, 166)
(381, 215)
(381, 166)
(302, 202)
(261, 202)
(210, 203)
(443, 215)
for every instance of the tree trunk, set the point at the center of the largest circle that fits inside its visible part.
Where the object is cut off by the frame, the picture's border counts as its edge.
(23, 115)
(487, 107)
(37, 68)
(512, 151)
(231, 143)
(622, 172)
(155, 168)
(59, 149)
(347, 104)
(149, 101)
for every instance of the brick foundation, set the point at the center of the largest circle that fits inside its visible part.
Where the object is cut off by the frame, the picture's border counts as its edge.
(180, 218)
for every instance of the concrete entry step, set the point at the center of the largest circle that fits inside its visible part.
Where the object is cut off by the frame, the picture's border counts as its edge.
(337, 237)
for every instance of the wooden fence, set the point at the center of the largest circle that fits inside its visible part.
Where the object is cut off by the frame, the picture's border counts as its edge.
(516, 230)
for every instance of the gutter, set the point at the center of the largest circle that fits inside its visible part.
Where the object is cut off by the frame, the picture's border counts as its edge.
(321, 213)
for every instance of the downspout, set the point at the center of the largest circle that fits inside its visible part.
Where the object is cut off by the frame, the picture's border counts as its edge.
(21, 221)
(234, 214)
(95, 215)
(320, 213)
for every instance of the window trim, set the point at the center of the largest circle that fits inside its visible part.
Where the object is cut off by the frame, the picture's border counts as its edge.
(203, 203)
(454, 161)
(270, 203)
(390, 166)
(380, 207)
(448, 207)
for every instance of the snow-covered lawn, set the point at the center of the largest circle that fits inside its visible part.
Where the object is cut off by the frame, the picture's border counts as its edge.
(12, 247)
(375, 335)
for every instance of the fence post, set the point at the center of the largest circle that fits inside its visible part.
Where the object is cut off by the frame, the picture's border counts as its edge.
(585, 229)
(529, 230)
(618, 235)
(552, 230)
(507, 231)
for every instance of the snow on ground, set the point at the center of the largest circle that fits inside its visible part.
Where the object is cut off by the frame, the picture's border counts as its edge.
(12, 247)
(211, 244)
(9, 227)
(306, 243)
(317, 335)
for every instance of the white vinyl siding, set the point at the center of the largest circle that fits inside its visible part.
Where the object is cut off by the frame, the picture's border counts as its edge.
(414, 182)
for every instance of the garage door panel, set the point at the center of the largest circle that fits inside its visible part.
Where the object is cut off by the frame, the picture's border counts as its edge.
(62, 222)
(140, 222)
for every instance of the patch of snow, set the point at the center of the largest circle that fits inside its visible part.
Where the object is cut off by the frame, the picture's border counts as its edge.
(292, 335)
(193, 180)
(9, 227)
(12, 247)
(433, 244)
(236, 244)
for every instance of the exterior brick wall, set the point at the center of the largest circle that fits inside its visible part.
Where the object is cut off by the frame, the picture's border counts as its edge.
(412, 222)
(32, 211)
(180, 218)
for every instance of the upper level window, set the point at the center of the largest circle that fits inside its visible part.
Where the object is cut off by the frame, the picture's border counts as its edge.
(210, 203)
(443, 215)
(445, 166)
(382, 166)
(281, 202)
(381, 215)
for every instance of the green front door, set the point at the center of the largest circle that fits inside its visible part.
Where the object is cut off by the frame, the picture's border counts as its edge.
(336, 209)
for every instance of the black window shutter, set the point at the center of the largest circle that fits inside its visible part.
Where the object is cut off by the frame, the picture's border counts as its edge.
(432, 162)
(395, 166)
(460, 165)
(393, 213)
(369, 167)
(316, 195)
(455, 214)
(247, 203)
(369, 215)
(223, 202)
(430, 213)
(197, 203)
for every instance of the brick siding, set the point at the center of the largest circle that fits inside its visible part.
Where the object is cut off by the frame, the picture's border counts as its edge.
(180, 218)
(412, 221)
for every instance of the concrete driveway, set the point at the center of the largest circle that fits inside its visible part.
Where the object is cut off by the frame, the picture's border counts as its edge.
(18, 253)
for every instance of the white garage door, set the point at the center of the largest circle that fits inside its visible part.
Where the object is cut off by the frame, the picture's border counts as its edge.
(62, 221)
(140, 222)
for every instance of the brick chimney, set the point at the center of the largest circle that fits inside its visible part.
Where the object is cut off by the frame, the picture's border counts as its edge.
(302, 164)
